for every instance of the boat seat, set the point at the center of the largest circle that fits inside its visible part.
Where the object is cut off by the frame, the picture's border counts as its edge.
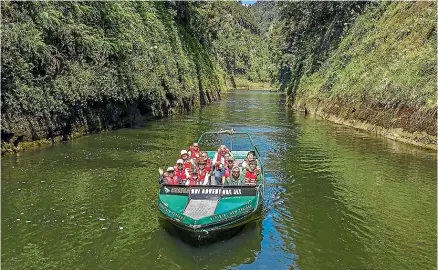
(198, 209)
(239, 161)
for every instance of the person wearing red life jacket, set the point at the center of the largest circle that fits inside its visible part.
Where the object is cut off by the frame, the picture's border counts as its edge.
(168, 177)
(251, 173)
(204, 172)
(204, 158)
(194, 179)
(180, 172)
(194, 151)
(220, 156)
(186, 160)
(219, 160)
(249, 156)
(227, 170)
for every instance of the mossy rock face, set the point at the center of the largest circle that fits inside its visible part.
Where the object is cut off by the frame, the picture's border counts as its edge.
(67, 71)
(32, 134)
(410, 125)
(381, 71)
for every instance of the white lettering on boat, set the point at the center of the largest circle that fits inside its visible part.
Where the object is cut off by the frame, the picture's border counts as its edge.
(170, 212)
(209, 191)
(179, 190)
(242, 210)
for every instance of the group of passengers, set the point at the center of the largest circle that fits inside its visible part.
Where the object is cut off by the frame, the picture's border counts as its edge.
(194, 167)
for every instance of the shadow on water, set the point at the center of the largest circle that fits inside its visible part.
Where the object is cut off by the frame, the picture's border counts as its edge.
(232, 248)
(214, 238)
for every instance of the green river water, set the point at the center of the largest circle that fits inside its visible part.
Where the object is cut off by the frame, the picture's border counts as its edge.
(335, 197)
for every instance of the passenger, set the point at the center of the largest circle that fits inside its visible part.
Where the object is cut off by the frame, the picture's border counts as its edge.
(194, 179)
(218, 157)
(249, 156)
(204, 158)
(224, 161)
(180, 172)
(186, 160)
(219, 160)
(168, 177)
(251, 173)
(226, 172)
(194, 151)
(204, 173)
(236, 179)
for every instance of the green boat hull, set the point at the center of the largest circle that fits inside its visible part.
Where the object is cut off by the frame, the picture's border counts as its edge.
(235, 206)
(204, 211)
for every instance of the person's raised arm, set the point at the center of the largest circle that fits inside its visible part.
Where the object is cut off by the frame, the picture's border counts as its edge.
(161, 178)
(215, 159)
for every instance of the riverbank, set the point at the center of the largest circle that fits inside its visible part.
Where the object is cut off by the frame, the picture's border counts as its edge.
(409, 125)
(381, 77)
(244, 84)
(32, 135)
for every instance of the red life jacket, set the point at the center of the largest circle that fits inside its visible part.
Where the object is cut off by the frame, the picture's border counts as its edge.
(187, 165)
(171, 180)
(194, 153)
(207, 163)
(193, 182)
(219, 157)
(251, 177)
(202, 173)
(180, 174)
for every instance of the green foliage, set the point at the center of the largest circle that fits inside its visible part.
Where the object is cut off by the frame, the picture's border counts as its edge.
(304, 35)
(64, 59)
(387, 57)
(231, 33)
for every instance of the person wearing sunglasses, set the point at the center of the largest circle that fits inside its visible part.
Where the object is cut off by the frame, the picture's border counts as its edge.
(168, 177)
(181, 172)
(204, 172)
(207, 161)
(235, 179)
(249, 156)
(226, 172)
(219, 157)
(194, 179)
(251, 173)
(194, 151)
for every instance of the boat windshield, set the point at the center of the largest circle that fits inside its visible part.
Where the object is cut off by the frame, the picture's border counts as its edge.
(235, 141)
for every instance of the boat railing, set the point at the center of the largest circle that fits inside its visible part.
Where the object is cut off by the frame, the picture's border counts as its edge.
(231, 132)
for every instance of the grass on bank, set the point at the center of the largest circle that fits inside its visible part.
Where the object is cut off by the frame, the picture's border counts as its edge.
(387, 57)
(245, 84)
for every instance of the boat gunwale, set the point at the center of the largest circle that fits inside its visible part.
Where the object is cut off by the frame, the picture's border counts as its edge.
(227, 223)
(256, 197)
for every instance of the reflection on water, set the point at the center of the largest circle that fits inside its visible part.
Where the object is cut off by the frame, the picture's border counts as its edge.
(241, 248)
(335, 198)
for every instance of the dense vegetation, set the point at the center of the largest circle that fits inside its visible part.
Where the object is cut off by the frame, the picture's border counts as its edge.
(236, 39)
(75, 67)
(366, 64)
(388, 57)
(380, 53)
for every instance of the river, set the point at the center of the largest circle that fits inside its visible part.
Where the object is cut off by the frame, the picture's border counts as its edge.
(335, 197)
